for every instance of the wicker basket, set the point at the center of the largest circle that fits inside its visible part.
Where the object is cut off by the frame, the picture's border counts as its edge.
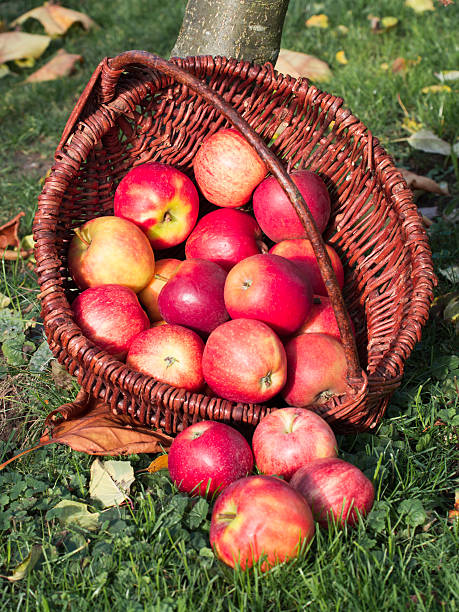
(138, 107)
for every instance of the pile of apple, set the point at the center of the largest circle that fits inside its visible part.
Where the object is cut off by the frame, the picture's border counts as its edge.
(235, 318)
(268, 518)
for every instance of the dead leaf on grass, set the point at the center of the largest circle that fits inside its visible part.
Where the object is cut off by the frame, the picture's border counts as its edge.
(447, 75)
(416, 181)
(20, 45)
(26, 566)
(453, 514)
(160, 463)
(9, 238)
(111, 481)
(420, 6)
(317, 21)
(55, 19)
(436, 89)
(428, 142)
(299, 65)
(341, 58)
(4, 70)
(61, 65)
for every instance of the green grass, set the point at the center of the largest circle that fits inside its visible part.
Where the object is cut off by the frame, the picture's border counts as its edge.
(156, 556)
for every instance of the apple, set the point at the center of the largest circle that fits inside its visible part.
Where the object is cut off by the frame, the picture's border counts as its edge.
(288, 438)
(225, 236)
(110, 251)
(164, 270)
(271, 289)
(260, 518)
(275, 213)
(110, 316)
(208, 456)
(227, 168)
(194, 296)
(169, 353)
(321, 319)
(316, 370)
(244, 361)
(300, 251)
(161, 200)
(334, 489)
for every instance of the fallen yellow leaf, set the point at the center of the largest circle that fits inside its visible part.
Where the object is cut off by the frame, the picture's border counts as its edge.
(385, 66)
(20, 45)
(388, 23)
(61, 65)
(436, 89)
(411, 125)
(55, 19)
(317, 21)
(419, 6)
(299, 65)
(160, 463)
(341, 57)
(342, 29)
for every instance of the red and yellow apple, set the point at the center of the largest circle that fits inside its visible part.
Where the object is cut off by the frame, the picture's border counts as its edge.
(244, 361)
(169, 353)
(227, 168)
(317, 369)
(271, 289)
(335, 490)
(110, 316)
(194, 296)
(260, 519)
(301, 253)
(275, 213)
(110, 251)
(321, 319)
(164, 270)
(289, 438)
(161, 200)
(208, 456)
(225, 236)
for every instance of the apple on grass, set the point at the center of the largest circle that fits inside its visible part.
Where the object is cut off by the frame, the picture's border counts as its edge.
(335, 490)
(170, 353)
(271, 289)
(227, 168)
(300, 252)
(207, 456)
(110, 316)
(161, 200)
(260, 519)
(275, 213)
(110, 251)
(193, 297)
(316, 369)
(244, 361)
(289, 438)
(164, 270)
(225, 236)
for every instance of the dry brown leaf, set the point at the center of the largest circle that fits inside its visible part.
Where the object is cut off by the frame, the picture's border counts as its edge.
(20, 45)
(61, 65)
(100, 432)
(399, 65)
(55, 19)
(9, 238)
(301, 65)
(160, 463)
(416, 181)
(454, 514)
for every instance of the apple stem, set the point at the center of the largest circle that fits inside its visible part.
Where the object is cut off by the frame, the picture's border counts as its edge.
(247, 283)
(262, 246)
(79, 233)
(316, 299)
(170, 361)
(168, 217)
(160, 277)
(227, 516)
(266, 380)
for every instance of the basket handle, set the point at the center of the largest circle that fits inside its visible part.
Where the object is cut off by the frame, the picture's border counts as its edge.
(110, 77)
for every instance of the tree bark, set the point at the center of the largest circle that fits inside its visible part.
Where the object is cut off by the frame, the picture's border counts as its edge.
(243, 29)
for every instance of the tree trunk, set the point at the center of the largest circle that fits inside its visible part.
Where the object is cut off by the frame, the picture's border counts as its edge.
(243, 29)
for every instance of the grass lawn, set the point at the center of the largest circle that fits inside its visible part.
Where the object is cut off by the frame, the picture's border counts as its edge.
(155, 555)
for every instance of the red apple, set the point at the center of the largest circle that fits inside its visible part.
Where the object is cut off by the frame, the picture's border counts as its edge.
(161, 200)
(244, 361)
(110, 316)
(208, 456)
(227, 168)
(270, 289)
(164, 270)
(225, 236)
(334, 489)
(289, 438)
(169, 353)
(316, 371)
(259, 518)
(110, 251)
(321, 319)
(275, 213)
(194, 296)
